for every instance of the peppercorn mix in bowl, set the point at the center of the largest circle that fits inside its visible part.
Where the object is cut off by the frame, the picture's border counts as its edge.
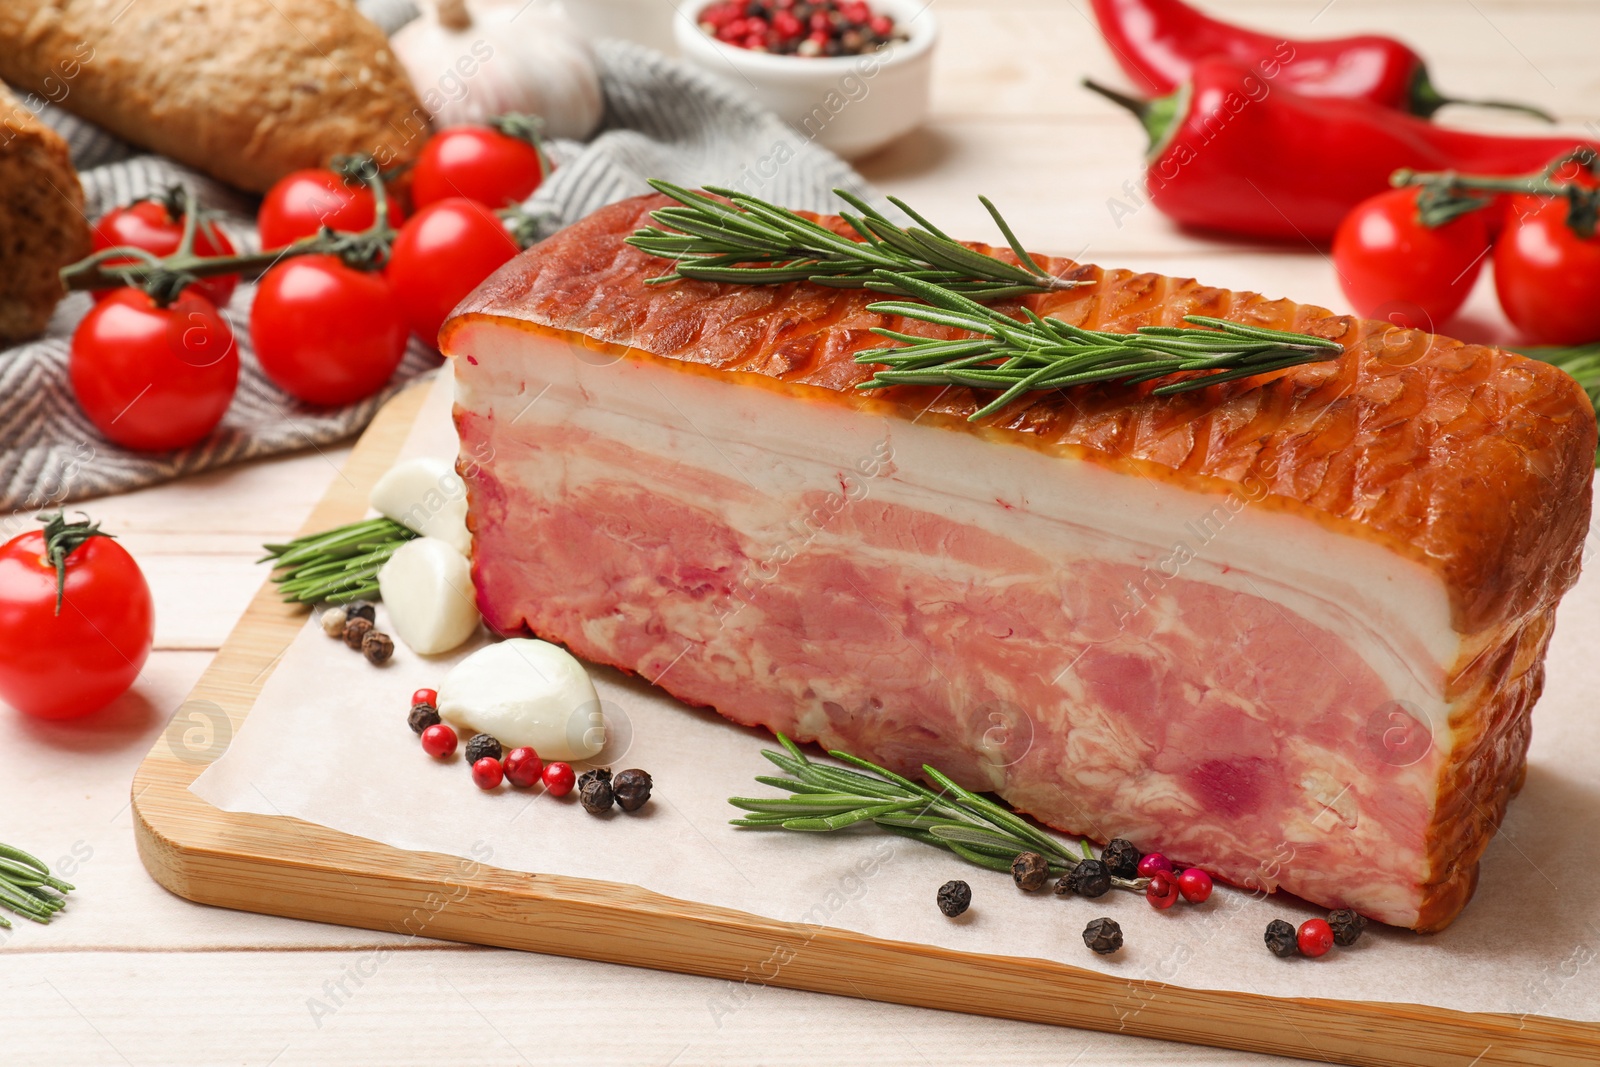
(851, 76)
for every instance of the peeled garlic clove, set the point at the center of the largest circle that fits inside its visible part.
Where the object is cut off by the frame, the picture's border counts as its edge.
(526, 692)
(427, 589)
(428, 496)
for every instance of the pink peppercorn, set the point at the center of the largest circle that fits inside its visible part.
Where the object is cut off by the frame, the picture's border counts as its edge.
(1195, 885)
(1162, 892)
(1152, 863)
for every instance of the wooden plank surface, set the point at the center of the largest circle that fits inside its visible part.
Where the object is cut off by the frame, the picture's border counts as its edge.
(283, 866)
(140, 976)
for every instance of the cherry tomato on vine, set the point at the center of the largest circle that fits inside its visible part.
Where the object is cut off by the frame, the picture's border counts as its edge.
(150, 225)
(1548, 277)
(303, 202)
(442, 253)
(1392, 267)
(153, 378)
(62, 664)
(479, 163)
(327, 333)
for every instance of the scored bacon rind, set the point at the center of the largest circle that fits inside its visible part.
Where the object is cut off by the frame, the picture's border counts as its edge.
(1468, 459)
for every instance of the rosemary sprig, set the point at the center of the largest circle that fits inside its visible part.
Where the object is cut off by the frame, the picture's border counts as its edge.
(749, 241)
(1019, 356)
(337, 565)
(824, 798)
(27, 887)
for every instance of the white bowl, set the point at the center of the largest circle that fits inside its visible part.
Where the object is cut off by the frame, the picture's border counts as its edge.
(851, 105)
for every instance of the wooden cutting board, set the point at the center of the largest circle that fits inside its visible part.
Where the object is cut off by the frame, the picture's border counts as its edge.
(284, 866)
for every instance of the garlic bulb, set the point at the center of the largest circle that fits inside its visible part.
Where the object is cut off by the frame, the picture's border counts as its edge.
(473, 59)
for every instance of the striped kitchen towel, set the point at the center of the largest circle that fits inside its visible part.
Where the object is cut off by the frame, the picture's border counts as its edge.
(663, 119)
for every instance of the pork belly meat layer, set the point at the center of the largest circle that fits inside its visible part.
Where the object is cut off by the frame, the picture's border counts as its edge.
(1289, 631)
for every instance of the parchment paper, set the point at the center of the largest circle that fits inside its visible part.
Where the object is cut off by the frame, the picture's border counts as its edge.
(1528, 944)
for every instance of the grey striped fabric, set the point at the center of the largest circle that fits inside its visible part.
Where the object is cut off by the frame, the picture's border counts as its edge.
(663, 119)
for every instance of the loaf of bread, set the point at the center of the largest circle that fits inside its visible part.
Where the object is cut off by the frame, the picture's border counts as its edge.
(245, 90)
(42, 225)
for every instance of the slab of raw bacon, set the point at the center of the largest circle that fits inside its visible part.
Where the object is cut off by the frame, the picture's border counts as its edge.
(1290, 630)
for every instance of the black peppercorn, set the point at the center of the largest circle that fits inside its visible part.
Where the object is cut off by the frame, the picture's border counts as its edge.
(1347, 926)
(482, 746)
(631, 788)
(1029, 870)
(360, 609)
(1103, 936)
(355, 630)
(1121, 857)
(377, 647)
(422, 716)
(1090, 878)
(1281, 939)
(598, 773)
(954, 898)
(596, 796)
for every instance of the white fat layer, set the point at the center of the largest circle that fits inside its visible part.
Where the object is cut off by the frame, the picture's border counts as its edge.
(1393, 611)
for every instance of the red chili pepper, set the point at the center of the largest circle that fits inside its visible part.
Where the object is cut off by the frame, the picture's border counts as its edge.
(1158, 43)
(1236, 152)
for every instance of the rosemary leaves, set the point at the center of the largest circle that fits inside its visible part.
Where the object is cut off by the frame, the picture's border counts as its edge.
(749, 241)
(1020, 356)
(337, 565)
(27, 887)
(824, 798)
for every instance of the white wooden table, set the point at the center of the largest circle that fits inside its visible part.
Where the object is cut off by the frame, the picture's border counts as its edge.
(135, 975)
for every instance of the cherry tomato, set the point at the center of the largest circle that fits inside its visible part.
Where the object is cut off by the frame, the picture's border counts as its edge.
(303, 202)
(441, 255)
(324, 332)
(152, 378)
(149, 225)
(62, 665)
(478, 163)
(1548, 277)
(1393, 267)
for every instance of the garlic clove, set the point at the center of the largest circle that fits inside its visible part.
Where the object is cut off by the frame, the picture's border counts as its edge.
(526, 692)
(427, 591)
(428, 496)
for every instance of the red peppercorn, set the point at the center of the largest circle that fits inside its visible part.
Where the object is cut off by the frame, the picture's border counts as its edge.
(523, 767)
(787, 25)
(558, 779)
(821, 23)
(1162, 892)
(1315, 938)
(882, 25)
(487, 773)
(425, 696)
(1195, 885)
(1152, 863)
(439, 741)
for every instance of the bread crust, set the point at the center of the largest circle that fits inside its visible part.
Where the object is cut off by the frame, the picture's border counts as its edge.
(42, 225)
(245, 90)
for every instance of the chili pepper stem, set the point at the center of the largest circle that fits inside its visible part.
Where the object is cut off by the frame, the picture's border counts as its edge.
(1426, 101)
(1156, 115)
